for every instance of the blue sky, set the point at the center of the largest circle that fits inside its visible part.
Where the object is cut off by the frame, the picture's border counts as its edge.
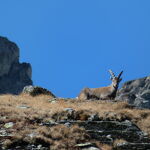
(72, 44)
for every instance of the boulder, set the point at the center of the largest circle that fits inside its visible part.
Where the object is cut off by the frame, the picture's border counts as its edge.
(136, 92)
(13, 75)
(36, 90)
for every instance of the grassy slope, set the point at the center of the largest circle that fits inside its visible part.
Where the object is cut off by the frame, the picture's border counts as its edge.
(27, 121)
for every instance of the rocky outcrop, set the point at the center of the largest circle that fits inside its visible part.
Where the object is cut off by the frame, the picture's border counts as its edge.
(36, 90)
(104, 130)
(136, 92)
(13, 75)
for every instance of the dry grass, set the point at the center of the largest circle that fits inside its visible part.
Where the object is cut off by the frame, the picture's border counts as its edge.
(27, 121)
(58, 137)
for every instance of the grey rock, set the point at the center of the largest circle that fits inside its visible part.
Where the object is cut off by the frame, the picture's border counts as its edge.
(13, 75)
(39, 147)
(36, 90)
(28, 89)
(87, 146)
(136, 92)
(132, 146)
(23, 107)
(69, 110)
(32, 135)
(48, 123)
(93, 117)
(91, 148)
(3, 132)
(145, 94)
(53, 100)
(67, 124)
(9, 125)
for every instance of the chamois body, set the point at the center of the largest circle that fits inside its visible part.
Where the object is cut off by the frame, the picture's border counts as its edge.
(103, 93)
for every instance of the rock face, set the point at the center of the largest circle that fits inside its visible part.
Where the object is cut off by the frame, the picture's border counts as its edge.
(105, 130)
(136, 92)
(13, 75)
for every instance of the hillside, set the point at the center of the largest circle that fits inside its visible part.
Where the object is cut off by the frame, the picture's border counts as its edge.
(43, 123)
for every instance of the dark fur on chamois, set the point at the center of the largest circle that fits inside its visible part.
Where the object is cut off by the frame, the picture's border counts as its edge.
(103, 93)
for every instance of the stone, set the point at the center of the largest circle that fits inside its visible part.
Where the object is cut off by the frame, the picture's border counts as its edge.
(32, 135)
(36, 90)
(28, 89)
(69, 110)
(9, 125)
(23, 107)
(93, 117)
(136, 92)
(87, 146)
(132, 146)
(67, 124)
(13, 74)
(52, 100)
(3, 133)
(91, 148)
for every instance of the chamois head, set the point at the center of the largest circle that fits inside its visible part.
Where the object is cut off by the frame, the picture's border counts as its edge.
(115, 80)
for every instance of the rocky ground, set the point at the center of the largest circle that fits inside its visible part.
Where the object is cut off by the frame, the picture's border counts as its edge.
(44, 122)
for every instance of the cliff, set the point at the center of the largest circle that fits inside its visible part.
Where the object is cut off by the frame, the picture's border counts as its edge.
(13, 74)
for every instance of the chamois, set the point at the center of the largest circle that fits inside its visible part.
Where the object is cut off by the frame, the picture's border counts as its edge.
(102, 93)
